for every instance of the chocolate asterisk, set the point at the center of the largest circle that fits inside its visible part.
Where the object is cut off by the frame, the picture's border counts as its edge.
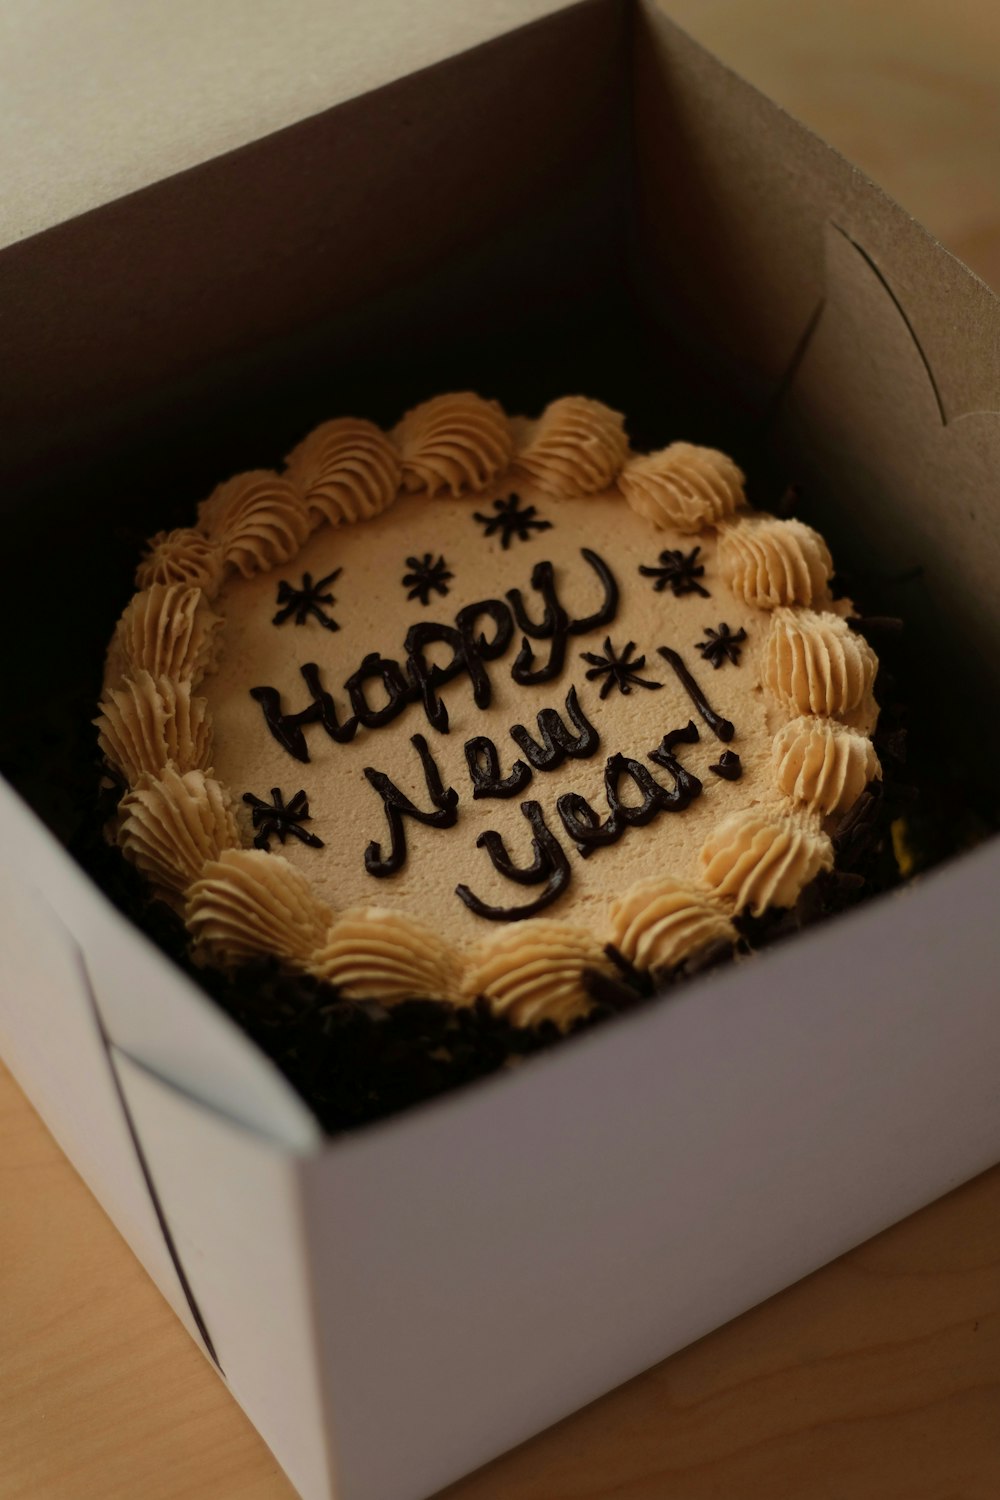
(280, 819)
(307, 600)
(679, 572)
(510, 520)
(722, 645)
(426, 575)
(618, 671)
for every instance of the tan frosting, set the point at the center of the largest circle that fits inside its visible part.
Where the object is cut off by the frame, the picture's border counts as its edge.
(769, 562)
(534, 971)
(454, 445)
(259, 519)
(173, 826)
(374, 616)
(421, 939)
(824, 765)
(374, 954)
(577, 447)
(166, 630)
(182, 556)
(815, 664)
(683, 486)
(347, 470)
(756, 862)
(151, 722)
(249, 904)
(661, 921)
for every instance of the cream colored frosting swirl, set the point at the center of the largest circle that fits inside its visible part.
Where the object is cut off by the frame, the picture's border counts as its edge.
(683, 486)
(249, 904)
(757, 861)
(534, 971)
(454, 445)
(174, 825)
(259, 519)
(577, 447)
(166, 630)
(815, 664)
(152, 722)
(347, 470)
(371, 953)
(823, 765)
(661, 921)
(182, 556)
(768, 562)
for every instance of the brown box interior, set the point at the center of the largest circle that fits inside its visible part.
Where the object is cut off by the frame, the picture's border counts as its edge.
(588, 204)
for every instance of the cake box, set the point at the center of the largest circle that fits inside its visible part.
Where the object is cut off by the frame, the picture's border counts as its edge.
(395, 1307)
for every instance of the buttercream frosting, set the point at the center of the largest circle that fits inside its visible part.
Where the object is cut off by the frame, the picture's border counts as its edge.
(374, 954)
(536, 972)
(769, 562)
(660, 921)
(756, 862)
(167, 630)
(259, 519)
(577, 447)
(248, 904)
(182, 556)
(454, 445)
(815, 664)
(173, 825)
(152, 722)
(823, 765)
(347, 470)
(561, 675)
(683, 486)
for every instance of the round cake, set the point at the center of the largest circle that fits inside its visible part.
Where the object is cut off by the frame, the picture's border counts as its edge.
(483, 707)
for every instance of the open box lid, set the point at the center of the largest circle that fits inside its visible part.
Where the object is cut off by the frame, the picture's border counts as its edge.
(104, 99)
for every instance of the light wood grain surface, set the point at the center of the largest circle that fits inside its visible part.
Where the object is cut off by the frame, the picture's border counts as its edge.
(878, 1378)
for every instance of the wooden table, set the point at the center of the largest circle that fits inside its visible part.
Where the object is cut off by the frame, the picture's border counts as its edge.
(878, 1378)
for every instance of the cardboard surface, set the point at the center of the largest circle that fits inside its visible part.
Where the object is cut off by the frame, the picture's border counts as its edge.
(232, 1203)
(521, 1248)
(459, 1277)
(104, 99)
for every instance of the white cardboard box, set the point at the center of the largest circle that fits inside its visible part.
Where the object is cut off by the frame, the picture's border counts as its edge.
(590, 201)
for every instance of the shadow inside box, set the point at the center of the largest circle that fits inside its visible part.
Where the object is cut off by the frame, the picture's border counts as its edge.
(357, 1062)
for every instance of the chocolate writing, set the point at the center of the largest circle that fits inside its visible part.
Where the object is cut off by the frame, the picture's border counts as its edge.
(549, 867)
(399, 806)
(468, 648)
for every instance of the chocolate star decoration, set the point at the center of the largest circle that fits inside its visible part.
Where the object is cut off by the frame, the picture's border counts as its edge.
(722, 645)
(307, 600)
(510, 521)
(276, 818)
(618, 671)
(426, 575)
(679, 572)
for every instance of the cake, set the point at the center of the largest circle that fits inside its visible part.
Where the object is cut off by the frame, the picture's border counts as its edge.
(482, 709)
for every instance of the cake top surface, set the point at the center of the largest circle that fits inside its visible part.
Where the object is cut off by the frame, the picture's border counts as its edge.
(483, 706)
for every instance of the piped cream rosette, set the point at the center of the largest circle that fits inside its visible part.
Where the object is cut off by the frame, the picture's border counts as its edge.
(176, 822)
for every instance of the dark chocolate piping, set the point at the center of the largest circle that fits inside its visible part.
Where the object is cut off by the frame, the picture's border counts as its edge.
(549, 864)
(722, 728)
(557, 742)
(398, 806)
(728, 766)
(484, 770)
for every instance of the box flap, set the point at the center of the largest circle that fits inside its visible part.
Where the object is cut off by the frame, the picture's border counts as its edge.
(232, 1205)
(146, 1005)
(106, 98)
